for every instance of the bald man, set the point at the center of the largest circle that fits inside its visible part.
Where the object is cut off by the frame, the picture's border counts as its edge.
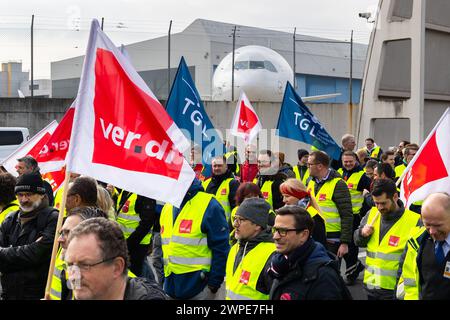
(425, 273)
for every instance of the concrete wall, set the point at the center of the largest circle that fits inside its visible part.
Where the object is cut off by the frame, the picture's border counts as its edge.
(34, 115)
(334, 117)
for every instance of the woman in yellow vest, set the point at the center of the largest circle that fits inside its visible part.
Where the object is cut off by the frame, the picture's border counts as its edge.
(8, 201)
(249, 259)
(294, 193)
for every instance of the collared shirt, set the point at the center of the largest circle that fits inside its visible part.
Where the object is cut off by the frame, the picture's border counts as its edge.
(445, 246)
(324, 178)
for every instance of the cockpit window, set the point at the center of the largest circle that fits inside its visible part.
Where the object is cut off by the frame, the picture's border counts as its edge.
(269, 66)
(241, 65)
(255, 65)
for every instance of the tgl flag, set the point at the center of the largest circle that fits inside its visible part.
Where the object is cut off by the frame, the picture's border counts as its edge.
(187, 110)
(428, 172)
(121, 134)
(245, 122)
(297, 122)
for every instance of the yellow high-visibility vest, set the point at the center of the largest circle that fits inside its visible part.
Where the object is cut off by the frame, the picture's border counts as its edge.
(375, 153)
(56, 288)
(185, 246)
(297, 175)
(383, 256)
(399, 170)
(222, 195)
(128, 219)
(356, 195)
(266, 191)
(13, 206)
(241, 284)
(326, 204)
(409, 279)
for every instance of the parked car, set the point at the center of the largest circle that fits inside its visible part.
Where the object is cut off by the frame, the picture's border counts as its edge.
(11, 138)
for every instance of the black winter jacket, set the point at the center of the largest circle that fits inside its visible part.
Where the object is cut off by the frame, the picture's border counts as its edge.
(314, 276)
(143, 289)
(25, 260)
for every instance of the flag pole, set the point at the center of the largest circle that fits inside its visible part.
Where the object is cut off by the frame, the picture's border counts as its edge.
(421, 147)
(55, 241)
(374, 219)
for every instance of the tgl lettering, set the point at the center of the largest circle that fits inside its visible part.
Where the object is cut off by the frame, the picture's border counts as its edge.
(196, 116)
(304, 124)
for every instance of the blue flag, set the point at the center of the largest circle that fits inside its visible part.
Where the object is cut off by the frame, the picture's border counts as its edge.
(298, 123)
(187, 110)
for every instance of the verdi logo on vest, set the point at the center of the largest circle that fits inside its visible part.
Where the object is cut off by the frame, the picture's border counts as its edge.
(245, 277)
(394, 241)
(223, 192)
(126, 206)
(185, 226)
(322, 197)
(130, 141)
(265, 194)
(350, 185)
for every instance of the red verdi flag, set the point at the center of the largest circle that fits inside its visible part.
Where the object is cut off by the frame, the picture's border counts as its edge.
(428, 172)
(121, 133)
(245, 122)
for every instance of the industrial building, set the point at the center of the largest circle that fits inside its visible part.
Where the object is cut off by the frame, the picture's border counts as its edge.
(321, 68)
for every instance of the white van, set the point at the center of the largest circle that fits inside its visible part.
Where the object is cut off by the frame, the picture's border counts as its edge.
(11, 138)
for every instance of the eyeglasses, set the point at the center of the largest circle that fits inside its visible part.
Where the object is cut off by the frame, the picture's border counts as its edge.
(239, 220)
(283, 231)
(64, 233)
(311, 164)
(85, 267)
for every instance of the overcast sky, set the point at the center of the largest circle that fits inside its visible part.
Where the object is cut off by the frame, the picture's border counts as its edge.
(61, 27)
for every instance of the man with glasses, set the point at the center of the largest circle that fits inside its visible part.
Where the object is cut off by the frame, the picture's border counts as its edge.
(26, 239)
(249, 258)
(301, 268)
(59, 289)
(96, 261)
(269, 179)
(333, 197)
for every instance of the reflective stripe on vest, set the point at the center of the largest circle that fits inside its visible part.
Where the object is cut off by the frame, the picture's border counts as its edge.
(383, 256)
(185, 247)
(222, 194)
(352, 183)
(297, 175)
(128, 219)
(410, 271)
(328, 207)
(14, 206)
(241, 284)
(56, 288)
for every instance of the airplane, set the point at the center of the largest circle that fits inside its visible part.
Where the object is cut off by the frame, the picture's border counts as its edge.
(259, 71)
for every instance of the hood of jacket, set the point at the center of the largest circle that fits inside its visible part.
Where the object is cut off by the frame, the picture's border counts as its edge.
(143, 289)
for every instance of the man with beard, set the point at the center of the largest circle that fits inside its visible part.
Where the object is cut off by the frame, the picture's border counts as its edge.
(26, 239)
(384, 231)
